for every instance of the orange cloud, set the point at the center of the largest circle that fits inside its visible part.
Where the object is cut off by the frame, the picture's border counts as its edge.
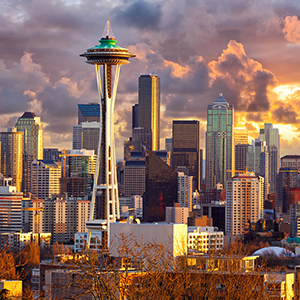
(291, 29)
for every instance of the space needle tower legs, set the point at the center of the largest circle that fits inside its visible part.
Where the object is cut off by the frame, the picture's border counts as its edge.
(107, 54)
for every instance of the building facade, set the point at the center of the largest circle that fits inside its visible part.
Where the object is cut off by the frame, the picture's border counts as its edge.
(45, 178)
(33, 144)
(10, 209)
(149, 107)
(220, 156)
(185, 191)
(240, 136)
(12, 157)
(186, 148)
(244, 202)
(88, 113)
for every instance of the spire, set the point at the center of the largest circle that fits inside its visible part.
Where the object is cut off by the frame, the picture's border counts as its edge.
(220, 100)
(108, 32)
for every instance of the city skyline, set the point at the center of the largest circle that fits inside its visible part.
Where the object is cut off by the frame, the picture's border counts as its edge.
(248, 52)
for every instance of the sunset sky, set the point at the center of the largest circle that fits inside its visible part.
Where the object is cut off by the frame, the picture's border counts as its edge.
(248, 50)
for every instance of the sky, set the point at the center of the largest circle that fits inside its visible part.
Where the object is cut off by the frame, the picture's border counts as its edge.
(247, 50)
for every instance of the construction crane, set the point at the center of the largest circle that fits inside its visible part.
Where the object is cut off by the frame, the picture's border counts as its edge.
(238, 171)
(34, 200)
(36, 216)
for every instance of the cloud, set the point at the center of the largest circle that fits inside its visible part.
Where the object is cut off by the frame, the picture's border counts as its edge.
(291, 29)
(243, 80)
(144, 15)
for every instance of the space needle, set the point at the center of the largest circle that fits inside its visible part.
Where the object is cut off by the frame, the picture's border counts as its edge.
(107, 54)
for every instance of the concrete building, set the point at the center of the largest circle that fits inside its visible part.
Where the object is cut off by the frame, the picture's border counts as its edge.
(149, 107)
(64, 217)
(287, 178)
(90, 136)
(135, 174)
(51, 154)
(131, 206)
(244, 202)
(33, 140)
(45, 178)
(272, 138)
(186, 148)
(173, 237)
(141, 138)
(290, 161)
(10, 209)
(185, 191)
(177, 214)
(77, 137)
(11, 151)
(219, 142)
(241, 152)
(295, 219)
(258, 162)
(18, 240)
(204, 239)
(81, 241)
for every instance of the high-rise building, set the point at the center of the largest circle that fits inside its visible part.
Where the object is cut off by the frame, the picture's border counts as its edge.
(10, 209)
(287, 178)
(12, 156)
(290, 161)
(77, 137)
(142, 138)
(88, 113)
(135, 115)
(161, 188)
(177, 214)
(149, 107)
(135, 174)
(243, 202)
(272, 138)
(219, 143)
(241, 151)
(107, 54)
(45, 178)
(258, 162)
(32, 129)
(186, 148)
(90, 136)
(295, 219)
(240, 136)
(128, 147)
(185, 190)
(51, 154)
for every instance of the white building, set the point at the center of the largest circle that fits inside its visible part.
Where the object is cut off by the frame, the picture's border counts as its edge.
(131, 206)
(81, 241)
(173, 237)
(45, 178)
(244, 202)
(177, 214)
(185, 190)
(204, 239)
(10, 209)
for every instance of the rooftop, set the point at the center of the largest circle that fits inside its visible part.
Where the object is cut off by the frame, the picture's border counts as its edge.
(28, 115)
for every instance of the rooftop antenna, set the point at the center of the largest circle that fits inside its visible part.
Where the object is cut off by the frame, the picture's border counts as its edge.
(108, 30)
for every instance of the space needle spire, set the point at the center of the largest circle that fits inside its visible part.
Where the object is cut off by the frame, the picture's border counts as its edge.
(107, 55)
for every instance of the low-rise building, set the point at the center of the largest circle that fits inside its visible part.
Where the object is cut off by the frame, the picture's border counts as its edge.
(204, 239)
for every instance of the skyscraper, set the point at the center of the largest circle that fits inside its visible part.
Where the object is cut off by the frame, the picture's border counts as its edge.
(12, 156)
(135, 115)
(161, 188)
(258, 162)
(33, 145)
(240, 136)
(272, 138)
(107, 54)
(149, 107)
(88, 113)
(219, 143)
(186, 148)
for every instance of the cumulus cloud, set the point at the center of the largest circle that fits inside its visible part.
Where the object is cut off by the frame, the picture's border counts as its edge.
(242, 78)
(291, 29)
